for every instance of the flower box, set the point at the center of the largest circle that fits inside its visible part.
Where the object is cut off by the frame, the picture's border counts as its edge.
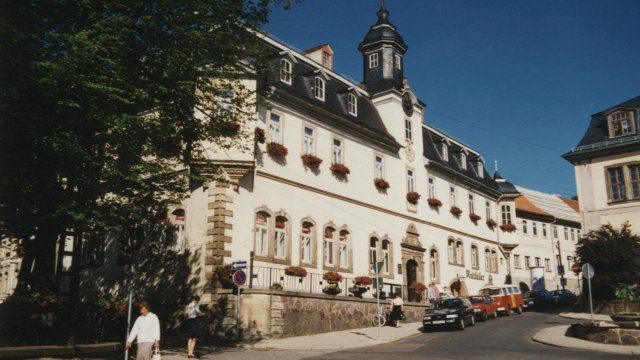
(311, 161)
(492, 223)
(277, 150)
(455, 210)
(413, 197)
(508, 227)
(474, 217)
(433, 202)
(363, 280)
(418, 287)
(298, 271)
(339, 169)
(332, 276)
(259, 135)
(381, 183)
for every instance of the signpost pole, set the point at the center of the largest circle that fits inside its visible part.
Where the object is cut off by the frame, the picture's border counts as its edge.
(588, 272)
(590, 298)
(375, 265)
(238, 314)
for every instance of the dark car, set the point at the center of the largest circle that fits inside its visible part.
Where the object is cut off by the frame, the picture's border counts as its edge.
(483, 307)
(539, 299)
(455, 312)
(564, 297)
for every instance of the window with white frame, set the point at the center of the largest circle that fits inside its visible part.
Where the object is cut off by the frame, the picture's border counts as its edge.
(444, 151)
(225, 103)
(343, 249)
(547, 264)
(408, 131)
(516, 261)
(285, 71)
(487, 209)
(328, 246)
(397, 61)
(534, 228)
(472, 204)
(431, 188)
(578, 234)
(434, 265)
(525, 229)
(494, 261)
(544, 230)
(527, 262)
(459, 253)
(573, 235)
(480, 169)
(463, 161)
(451, 247)
(487, 260)
(337, 151)
(275, 126)
(452, 196)
(309, 141)
(621, 123)
(566, 233)
(410, 181)
(379, 167)
(555, 231)
(261, 246)
(373, 60)
(352, 104)
(386, 266)
(280, 237)
(474, 257)
(318, 89)
(506, 214)
(373, 250)
(306, 242)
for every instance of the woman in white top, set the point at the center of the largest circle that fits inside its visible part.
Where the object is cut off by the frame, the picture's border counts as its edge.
(193, 322)
(147, 330)
(396, 310)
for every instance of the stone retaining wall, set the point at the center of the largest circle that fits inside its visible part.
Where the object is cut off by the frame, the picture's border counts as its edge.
(616, 306)
(605, 335)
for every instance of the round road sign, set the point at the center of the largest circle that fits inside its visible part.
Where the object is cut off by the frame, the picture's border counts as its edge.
(587, 271)
(239, 277)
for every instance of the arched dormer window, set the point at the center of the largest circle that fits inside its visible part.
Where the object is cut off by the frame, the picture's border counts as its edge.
(318, 90)
(352, 104)
(286, 73)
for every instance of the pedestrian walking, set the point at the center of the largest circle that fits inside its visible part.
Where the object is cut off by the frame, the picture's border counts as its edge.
(147, 331)
(431, 293)
(396, 308)
(193, 322)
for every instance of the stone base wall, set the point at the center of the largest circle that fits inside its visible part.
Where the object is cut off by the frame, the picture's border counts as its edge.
(605, 335)
(616, 306)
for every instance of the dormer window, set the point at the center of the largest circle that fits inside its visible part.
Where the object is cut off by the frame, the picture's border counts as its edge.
(373, 60)
(621, 123)
(285, 71)
(352, 104)
(318, 90)
(480, 169)
(463, 161)
(326, 60)
(444, 151)
(397, 62)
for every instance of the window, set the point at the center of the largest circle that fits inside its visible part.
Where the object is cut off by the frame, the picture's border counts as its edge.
(92, 249)
(578, 234)
(280, 237)
(537, 261)
(326, 59)
(456, 252)
(261, 245)
(623, 182)
(308, 142)
(337, 151)
(452, 251)
(385, 257)
(534, 228)
(352, 104)
(306, 243)
(275, 133)
(379, 167)
(634, 177)
(472, 207)
(547, 265)
(506, 214)
(494, 261)
(318, 90)
(224, 102)
(566, 233)
(410, 181)
(373, 250)
(452, 195)
(328, 246)
(480, 169)
(431, 188)
(516, 261)
(343, 249)
(544, 230)
(487, 260)
(407, 130)
(615, 184)
(463, 161)
(524, 226)
(474, 257)
(397, 62)
(573, 235)
(373, 60)
(285, 71)
(444, 151)
(555, 231)
(527, 261)
(621, 123)
(434, 265)
(487, 209)
(459, 253)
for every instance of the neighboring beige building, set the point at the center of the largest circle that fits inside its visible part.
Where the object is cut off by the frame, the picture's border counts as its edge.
(607, 166)
(10, 261)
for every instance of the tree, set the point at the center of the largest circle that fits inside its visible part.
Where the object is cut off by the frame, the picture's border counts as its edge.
(615, 256)
(104, 105)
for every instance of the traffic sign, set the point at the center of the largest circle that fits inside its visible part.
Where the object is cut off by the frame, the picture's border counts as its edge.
(587, 271)
(239, 278)
(237, 265)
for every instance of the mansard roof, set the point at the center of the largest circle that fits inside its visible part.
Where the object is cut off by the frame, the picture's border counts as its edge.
(596, 141)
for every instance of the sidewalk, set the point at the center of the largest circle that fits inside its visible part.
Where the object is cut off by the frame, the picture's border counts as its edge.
(556, 336)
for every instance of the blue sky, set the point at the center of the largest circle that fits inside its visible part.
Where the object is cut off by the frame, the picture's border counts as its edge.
(516, 80)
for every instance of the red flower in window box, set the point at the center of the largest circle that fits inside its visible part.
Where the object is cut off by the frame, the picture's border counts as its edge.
(381, 183)
(277, 150)
(433, 202)
(260, 137)
(298, 271)
(311, 161)
(492, 223)
(413, 197)
(508, 227)
(455, 210)
(363, 280)
(332, 276)
(280, 224)
(339, 169)
(418, 287)
(474, 217)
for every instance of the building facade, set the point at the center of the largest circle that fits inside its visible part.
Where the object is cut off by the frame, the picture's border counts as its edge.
(10, 260)
(607, 167)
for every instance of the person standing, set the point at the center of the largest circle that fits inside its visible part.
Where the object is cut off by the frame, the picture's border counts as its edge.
(193, 322)
(446, 294)
(147, 330)
(396, 308)
(436, 291)
(431, 293)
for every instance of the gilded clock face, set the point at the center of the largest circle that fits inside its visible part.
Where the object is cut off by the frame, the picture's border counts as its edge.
(407, 104)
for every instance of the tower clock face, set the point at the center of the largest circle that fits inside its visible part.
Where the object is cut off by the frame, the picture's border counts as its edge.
(407, 104)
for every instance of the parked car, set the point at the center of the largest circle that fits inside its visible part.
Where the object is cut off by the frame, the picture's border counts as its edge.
(540, 299)
(483, 307)
(455, 312)
(507, 297)
(564, 297)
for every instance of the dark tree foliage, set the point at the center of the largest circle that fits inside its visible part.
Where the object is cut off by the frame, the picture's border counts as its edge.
(104, 105)
(615, 256)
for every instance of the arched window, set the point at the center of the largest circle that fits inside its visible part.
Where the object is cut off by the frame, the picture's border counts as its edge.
(343, 249)
(474, 256)
(373, 250)
(261, 244)
(459, 253)
(487, 260)
(306, 247)
(452, 251)
(280, 237)
(434, 265)
(494, 261)
(328, 245)
(285, 71)
(386, 245)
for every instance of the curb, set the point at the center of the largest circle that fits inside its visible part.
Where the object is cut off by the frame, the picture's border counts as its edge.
(27, 352)
(556, 336)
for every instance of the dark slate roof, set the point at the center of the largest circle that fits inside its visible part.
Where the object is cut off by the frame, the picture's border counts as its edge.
(596, 140)
(333, 110)
(383, 31)
(432, 139)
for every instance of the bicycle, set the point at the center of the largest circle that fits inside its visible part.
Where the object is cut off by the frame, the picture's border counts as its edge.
(379, 319)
